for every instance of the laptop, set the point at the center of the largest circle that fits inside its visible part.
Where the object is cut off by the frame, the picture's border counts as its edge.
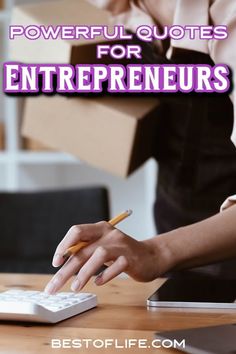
(207, 340)
(195, 292)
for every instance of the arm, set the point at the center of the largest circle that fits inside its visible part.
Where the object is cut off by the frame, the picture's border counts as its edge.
(205, 242)
(208, 241)
(125, 12)
(114, 6)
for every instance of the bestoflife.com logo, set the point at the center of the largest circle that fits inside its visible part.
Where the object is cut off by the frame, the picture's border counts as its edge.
(129, 343)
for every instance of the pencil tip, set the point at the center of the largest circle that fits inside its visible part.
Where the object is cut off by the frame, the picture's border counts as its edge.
(129, 212)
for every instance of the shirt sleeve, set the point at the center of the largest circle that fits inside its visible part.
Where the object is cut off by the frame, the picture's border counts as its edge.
(228, 202)
(223, 51)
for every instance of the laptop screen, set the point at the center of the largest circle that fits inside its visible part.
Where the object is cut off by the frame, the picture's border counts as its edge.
(207, 340)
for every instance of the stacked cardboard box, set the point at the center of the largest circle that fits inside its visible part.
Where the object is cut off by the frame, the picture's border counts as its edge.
(33, 145)
(65, 12)
(2, 142)
(116, 134)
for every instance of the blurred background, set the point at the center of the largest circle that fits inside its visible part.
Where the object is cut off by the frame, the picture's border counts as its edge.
(26, 165)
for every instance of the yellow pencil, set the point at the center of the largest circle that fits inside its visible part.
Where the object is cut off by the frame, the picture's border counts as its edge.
(114, 221)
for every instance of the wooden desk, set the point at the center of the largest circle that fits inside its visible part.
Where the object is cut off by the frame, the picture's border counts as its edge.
(121, 314)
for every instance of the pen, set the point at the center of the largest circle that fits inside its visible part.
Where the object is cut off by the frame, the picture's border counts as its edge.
(114, 221)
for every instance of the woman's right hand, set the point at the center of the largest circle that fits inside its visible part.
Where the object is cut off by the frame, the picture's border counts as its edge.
(106, 244)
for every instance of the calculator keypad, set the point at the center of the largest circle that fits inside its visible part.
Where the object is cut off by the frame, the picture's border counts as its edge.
(53, 303)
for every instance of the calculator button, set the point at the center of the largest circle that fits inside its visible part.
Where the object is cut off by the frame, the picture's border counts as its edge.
(23, 304)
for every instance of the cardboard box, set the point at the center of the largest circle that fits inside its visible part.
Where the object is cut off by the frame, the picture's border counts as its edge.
(1, 4)
(2, 136)
(116, 134)
(33, 145)
(66, 12)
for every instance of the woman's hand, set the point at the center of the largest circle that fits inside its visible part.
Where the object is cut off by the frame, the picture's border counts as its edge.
(105, 244)
(205, 242)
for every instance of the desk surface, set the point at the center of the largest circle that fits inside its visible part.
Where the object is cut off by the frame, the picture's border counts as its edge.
(121, 314)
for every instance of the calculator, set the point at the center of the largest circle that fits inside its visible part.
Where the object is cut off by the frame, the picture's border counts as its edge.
(36, 306)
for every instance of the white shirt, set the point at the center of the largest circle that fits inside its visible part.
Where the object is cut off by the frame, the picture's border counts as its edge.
(133, 13)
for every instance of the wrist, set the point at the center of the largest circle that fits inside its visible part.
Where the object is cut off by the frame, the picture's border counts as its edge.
(164, 252)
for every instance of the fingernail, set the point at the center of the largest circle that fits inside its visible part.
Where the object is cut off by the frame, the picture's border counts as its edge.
(57, 260)
(52, 286)
(75, 286)
(98, 279)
